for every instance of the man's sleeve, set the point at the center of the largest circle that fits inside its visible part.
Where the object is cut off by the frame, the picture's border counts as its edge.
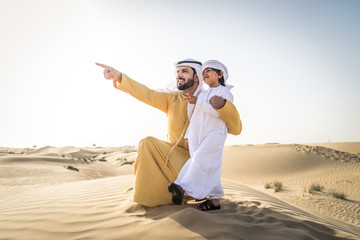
(139, 91)
(231, 117)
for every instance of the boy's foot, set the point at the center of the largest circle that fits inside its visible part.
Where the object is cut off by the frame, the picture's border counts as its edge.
(210, 204)
(200, 200)
(177, 193)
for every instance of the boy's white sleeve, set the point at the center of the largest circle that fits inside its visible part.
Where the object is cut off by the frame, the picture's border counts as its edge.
(226, 94)
(208, 109)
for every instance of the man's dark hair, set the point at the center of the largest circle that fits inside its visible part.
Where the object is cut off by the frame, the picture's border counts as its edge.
(221, 80)
(193, 71)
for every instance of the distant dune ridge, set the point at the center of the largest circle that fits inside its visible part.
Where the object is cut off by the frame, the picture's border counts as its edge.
(86, 193)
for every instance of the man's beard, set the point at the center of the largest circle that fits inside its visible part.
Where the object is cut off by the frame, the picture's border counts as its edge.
(186, 85)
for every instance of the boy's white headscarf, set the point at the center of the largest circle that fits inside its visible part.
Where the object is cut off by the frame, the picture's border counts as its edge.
(219, 66)
(216, 65)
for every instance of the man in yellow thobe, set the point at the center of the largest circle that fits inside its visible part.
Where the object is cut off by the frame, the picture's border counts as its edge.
(158, 162)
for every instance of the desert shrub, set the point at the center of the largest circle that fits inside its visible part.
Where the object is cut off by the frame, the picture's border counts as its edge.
(338, 195)
(315, 188)
(276, 185)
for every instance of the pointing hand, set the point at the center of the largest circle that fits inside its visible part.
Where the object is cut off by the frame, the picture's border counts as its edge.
(111, 73)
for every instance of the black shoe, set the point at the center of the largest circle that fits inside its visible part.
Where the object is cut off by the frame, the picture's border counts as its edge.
(208, 205)
(177, 193)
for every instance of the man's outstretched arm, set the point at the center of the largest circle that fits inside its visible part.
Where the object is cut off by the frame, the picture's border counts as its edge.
(137, 90)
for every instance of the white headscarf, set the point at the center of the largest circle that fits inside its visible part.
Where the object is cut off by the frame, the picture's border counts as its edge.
(189, 62)
(219, 66)
(216, 65)
(172, 87)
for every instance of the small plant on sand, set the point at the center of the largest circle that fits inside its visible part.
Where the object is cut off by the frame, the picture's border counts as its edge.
(338, 195)
(276, 185)
(315, 188)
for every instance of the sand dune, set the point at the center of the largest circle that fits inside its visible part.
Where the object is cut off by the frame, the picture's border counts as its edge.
(42, 198)
(297, 167)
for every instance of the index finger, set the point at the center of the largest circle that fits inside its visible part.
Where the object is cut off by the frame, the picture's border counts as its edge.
(102, 65)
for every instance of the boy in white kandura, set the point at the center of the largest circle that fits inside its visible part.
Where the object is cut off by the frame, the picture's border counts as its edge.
(206, 135)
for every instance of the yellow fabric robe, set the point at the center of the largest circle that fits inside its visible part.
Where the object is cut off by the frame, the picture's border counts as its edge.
(152, 174)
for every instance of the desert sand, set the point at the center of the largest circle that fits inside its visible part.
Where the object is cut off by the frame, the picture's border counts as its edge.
(86, 193)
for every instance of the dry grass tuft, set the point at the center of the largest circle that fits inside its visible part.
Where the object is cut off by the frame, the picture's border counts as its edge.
(315, 188)
(276, 185)
(338, 195)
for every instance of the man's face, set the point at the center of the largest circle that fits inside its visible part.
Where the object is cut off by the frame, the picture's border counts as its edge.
(184, 77)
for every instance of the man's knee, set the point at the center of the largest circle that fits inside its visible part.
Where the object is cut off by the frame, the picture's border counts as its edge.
(145, 152)
(147, 141)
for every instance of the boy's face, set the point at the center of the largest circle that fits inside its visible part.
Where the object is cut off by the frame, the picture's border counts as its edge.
(211, 77)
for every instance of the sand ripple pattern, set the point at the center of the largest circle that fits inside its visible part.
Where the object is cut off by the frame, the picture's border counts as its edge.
(328, 153)
(102, 209)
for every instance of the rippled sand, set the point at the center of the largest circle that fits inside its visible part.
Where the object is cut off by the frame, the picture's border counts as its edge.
(85, 193)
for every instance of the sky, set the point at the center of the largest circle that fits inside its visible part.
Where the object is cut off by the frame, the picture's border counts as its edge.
(294, 65)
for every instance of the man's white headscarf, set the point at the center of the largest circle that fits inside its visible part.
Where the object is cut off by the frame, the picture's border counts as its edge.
(189, 62)
(172, 86)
